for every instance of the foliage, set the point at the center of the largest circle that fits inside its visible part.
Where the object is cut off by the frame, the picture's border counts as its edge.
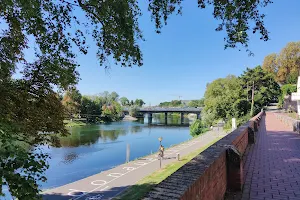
(239, 121)
(266, 89)
(133, 111)
(220, 95)
(69, 123)
(71, 101)
(124, 101)
(90, 106)
(111, 112)
(286, 90)
(173, 103)
(30, 115)
(230, 97)
(270, 63)
(241, 107)
(139, 102)
(197, 128)
(196, 103)
(208, 118)
(286, 65)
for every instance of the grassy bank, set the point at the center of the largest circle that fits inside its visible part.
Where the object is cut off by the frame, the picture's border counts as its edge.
(138, 190)
(69, 123)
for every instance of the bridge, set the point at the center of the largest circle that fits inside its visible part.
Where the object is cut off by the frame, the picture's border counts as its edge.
(151, 110)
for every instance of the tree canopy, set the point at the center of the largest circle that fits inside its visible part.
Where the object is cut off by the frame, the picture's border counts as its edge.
(286, 64)
(232, 96)
(196, 103)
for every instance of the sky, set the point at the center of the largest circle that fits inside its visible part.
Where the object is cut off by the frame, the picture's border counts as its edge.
(187, 55)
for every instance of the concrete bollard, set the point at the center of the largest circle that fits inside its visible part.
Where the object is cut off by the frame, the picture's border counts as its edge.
(178, 156)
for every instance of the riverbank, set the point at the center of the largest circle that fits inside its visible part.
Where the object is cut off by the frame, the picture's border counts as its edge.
(129, 118)
(73, 123)
(110, 183)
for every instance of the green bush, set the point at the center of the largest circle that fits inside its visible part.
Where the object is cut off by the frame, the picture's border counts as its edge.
(286, 90)
(197, 128)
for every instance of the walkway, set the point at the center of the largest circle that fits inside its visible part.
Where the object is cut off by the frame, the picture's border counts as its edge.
(110, 183)
(272, 168)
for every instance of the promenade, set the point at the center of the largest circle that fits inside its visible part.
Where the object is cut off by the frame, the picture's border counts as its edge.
(272, 168)
(110, 183)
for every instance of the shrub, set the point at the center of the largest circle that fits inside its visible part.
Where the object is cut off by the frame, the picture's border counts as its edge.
(286, 90)
(197, 128)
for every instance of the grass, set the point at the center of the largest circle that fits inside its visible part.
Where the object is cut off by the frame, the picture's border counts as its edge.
(140, 189)
(69, 123)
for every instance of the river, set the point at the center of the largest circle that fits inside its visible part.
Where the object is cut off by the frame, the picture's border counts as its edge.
(91, 149)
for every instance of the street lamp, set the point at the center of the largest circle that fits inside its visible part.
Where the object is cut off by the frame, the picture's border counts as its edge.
(160, 157)
(160, 139)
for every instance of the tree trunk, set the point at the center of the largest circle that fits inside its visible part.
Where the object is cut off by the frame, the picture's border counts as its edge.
(252, 103)
(247, 91)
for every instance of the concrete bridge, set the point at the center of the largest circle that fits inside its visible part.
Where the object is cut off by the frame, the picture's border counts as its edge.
(151, 110)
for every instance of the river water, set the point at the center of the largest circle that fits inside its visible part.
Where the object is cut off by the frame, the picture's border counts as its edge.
(94, 148)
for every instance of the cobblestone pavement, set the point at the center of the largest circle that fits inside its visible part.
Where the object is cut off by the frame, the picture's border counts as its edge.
(272, 168)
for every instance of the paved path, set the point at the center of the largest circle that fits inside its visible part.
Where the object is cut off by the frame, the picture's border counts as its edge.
(110, 183)
(272, 167)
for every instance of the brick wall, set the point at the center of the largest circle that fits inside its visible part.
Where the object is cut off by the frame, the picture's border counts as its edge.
(206, 176)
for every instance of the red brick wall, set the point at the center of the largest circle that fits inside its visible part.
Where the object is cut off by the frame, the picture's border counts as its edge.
(241, 142)
(205, 176)
(212, 184)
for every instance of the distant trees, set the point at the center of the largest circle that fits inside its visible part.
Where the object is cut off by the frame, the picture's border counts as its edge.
(139, 102)
(124, 101)
(196, 103)
(173, 103)
(105, 104)
(285, 65)
(72, 101)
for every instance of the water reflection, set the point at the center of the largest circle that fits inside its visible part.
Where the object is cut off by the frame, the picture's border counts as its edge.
(90, 134)
(93, 148)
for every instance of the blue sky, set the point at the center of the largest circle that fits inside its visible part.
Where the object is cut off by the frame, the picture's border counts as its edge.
(187, 55)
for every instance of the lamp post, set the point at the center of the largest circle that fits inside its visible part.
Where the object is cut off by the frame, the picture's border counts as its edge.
(160, 139)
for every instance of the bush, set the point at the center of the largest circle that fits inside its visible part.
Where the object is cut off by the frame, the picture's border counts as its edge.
(133, 111)
(197, 128)
(286, 90)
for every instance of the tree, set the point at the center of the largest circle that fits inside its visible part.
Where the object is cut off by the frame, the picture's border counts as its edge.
(124, 101)
(113, 97)
(289, 63)
(139, 102)
(220, 95)
(270, 63)
(196, 103)
(72, 101)
(208, 118)
(88, 106)
(264, 90)
(30, 106)
(111, 112)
